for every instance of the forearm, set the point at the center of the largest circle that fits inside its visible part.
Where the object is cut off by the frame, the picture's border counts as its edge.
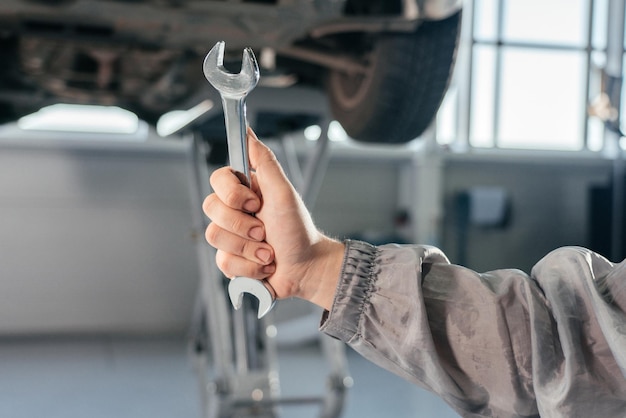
(500, 343)
(408, 310)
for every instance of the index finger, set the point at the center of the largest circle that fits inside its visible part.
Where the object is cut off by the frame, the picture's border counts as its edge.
(229, 189)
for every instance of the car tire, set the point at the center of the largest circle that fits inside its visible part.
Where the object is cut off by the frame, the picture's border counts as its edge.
(400, 93)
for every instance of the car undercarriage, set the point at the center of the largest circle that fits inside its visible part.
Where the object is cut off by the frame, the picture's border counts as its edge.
(146, 56)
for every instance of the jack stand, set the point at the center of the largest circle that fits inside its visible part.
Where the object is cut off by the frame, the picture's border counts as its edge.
(235, 353)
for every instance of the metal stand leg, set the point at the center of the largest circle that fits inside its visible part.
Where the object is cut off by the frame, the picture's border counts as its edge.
(235, 353)
(308, 183)
(211, 336)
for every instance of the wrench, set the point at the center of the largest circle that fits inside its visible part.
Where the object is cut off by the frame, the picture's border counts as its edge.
(233, 89)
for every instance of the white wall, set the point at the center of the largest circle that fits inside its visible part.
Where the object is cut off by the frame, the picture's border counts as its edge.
(99, 237)
(95, 237)
(549, 196)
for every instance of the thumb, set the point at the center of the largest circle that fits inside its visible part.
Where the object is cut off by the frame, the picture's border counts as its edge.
(281, 203)
(269, 173)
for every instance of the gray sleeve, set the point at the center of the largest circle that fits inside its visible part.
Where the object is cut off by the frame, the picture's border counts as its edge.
(501, 343)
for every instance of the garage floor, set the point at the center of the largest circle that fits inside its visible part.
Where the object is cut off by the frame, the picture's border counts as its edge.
(100, 377)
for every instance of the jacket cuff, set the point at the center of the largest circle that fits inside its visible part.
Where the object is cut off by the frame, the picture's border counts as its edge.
(353, 291)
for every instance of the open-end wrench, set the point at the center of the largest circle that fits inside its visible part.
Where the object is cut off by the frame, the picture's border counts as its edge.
(233, 89)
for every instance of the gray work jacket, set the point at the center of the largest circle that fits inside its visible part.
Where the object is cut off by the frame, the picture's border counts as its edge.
(497, 344)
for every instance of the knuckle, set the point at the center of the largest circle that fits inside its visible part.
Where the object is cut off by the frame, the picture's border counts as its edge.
(237, 224)
(232, 265)
(266, 156)
(221, 260)
(242, 247)
(209, 204)
(213, 177)
(216, 175)
(212, 234)
(232, 198)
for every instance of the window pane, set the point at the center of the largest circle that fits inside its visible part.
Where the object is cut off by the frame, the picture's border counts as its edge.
(486, 20)
(595, 136)
(542, 99)
(546, 21)
(447, 117)
(600, 16)
(482, 101)
(81, 118)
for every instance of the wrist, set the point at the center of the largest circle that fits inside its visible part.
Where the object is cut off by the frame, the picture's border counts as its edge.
(320, 284)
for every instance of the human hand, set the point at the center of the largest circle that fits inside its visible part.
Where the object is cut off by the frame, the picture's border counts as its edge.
(266, 232)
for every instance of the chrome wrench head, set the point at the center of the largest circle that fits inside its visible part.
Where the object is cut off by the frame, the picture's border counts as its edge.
(229, 84)
(233, 89)
(240, 285)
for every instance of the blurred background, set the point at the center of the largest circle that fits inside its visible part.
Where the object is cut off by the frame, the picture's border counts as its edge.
(104, 309)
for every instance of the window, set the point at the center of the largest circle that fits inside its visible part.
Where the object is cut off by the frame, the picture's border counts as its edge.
(527, 71)
(71, 122)
(81, 118)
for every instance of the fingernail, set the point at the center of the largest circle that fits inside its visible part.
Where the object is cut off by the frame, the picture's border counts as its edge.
(263, 254)
(269, 269)
(251, 205)
(256, 233)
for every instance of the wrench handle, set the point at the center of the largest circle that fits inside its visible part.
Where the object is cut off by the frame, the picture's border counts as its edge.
(236, 125)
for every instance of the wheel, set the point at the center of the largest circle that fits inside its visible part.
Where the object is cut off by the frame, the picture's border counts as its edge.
(399, 94)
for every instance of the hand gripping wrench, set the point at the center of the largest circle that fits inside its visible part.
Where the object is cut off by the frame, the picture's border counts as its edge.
(233, 89)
